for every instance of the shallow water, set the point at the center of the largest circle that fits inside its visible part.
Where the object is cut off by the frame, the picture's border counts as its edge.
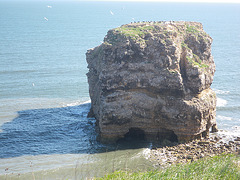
(60, 142)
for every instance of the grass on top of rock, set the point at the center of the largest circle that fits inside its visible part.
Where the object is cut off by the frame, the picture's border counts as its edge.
(135, 32)
(192, 29)
(217, 167)
(196, 32)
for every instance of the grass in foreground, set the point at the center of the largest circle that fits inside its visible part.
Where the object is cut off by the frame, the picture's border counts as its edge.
(217, 167)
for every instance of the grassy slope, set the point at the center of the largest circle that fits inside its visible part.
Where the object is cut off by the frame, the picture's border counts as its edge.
(217, 167)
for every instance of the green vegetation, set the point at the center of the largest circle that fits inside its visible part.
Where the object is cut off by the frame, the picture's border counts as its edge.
(196, 61)
(217, 167)
(185, 45)
(201, 35)
(107, 43)
(166, 33)
(135, 32)
(192, 29)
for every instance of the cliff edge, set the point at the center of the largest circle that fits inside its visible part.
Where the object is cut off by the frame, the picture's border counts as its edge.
(153, 79)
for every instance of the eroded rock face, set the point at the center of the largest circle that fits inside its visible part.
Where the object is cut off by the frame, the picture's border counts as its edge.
(154, 77)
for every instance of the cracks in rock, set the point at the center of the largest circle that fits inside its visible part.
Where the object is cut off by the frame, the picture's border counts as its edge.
(183, 72)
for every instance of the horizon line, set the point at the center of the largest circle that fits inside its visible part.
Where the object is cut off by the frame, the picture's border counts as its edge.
(170, 1)
(163, 1)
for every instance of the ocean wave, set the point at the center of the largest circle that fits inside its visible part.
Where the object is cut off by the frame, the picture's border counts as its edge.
(219, 117)
(147, 151)
(14, 105)
(221, 102)
(11, 72)
(230, 134)
(76, 103)
(221, 91)
(235, 109)
(233, 132)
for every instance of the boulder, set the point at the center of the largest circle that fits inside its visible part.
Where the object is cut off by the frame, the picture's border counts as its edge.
(153, 79)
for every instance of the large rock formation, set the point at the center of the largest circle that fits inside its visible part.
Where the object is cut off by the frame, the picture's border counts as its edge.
(153, 78)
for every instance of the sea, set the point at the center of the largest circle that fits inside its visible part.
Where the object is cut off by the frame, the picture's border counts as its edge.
(44, 98)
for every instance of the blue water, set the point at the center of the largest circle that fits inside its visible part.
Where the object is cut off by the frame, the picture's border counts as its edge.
(43, 82)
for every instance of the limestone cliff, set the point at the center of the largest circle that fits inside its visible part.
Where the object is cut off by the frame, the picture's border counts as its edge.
(153, 77)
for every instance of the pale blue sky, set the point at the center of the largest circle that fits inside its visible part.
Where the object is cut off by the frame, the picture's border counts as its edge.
(218, 1)
(202, 1)
(207, 1)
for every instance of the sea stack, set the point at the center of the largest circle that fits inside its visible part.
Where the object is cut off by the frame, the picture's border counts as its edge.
(153, 79)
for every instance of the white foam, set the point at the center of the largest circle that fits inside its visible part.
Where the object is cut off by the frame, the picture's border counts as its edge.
(224, 118)
(230, 134)
(147, 151)
(221, 91)
(221, 102)
(78, 103)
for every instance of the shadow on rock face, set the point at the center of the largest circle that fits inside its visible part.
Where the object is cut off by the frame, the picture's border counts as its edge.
(135, 134)
(138, 137)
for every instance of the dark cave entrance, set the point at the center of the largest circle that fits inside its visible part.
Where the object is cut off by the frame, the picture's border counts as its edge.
(138, 135)
(173, 137)
(167, 134)
(134, 134)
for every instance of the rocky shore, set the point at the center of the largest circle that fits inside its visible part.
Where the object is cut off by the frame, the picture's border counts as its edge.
(174, 153)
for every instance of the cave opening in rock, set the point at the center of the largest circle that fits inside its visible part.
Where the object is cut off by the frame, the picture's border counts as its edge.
(173, 137)
(134, 134)
(167, 134)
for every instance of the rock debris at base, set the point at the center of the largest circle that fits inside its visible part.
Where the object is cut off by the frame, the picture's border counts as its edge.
(181, 153)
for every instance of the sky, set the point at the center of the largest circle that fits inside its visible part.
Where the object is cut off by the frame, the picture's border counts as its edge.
(209, 1)
(203, 1)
